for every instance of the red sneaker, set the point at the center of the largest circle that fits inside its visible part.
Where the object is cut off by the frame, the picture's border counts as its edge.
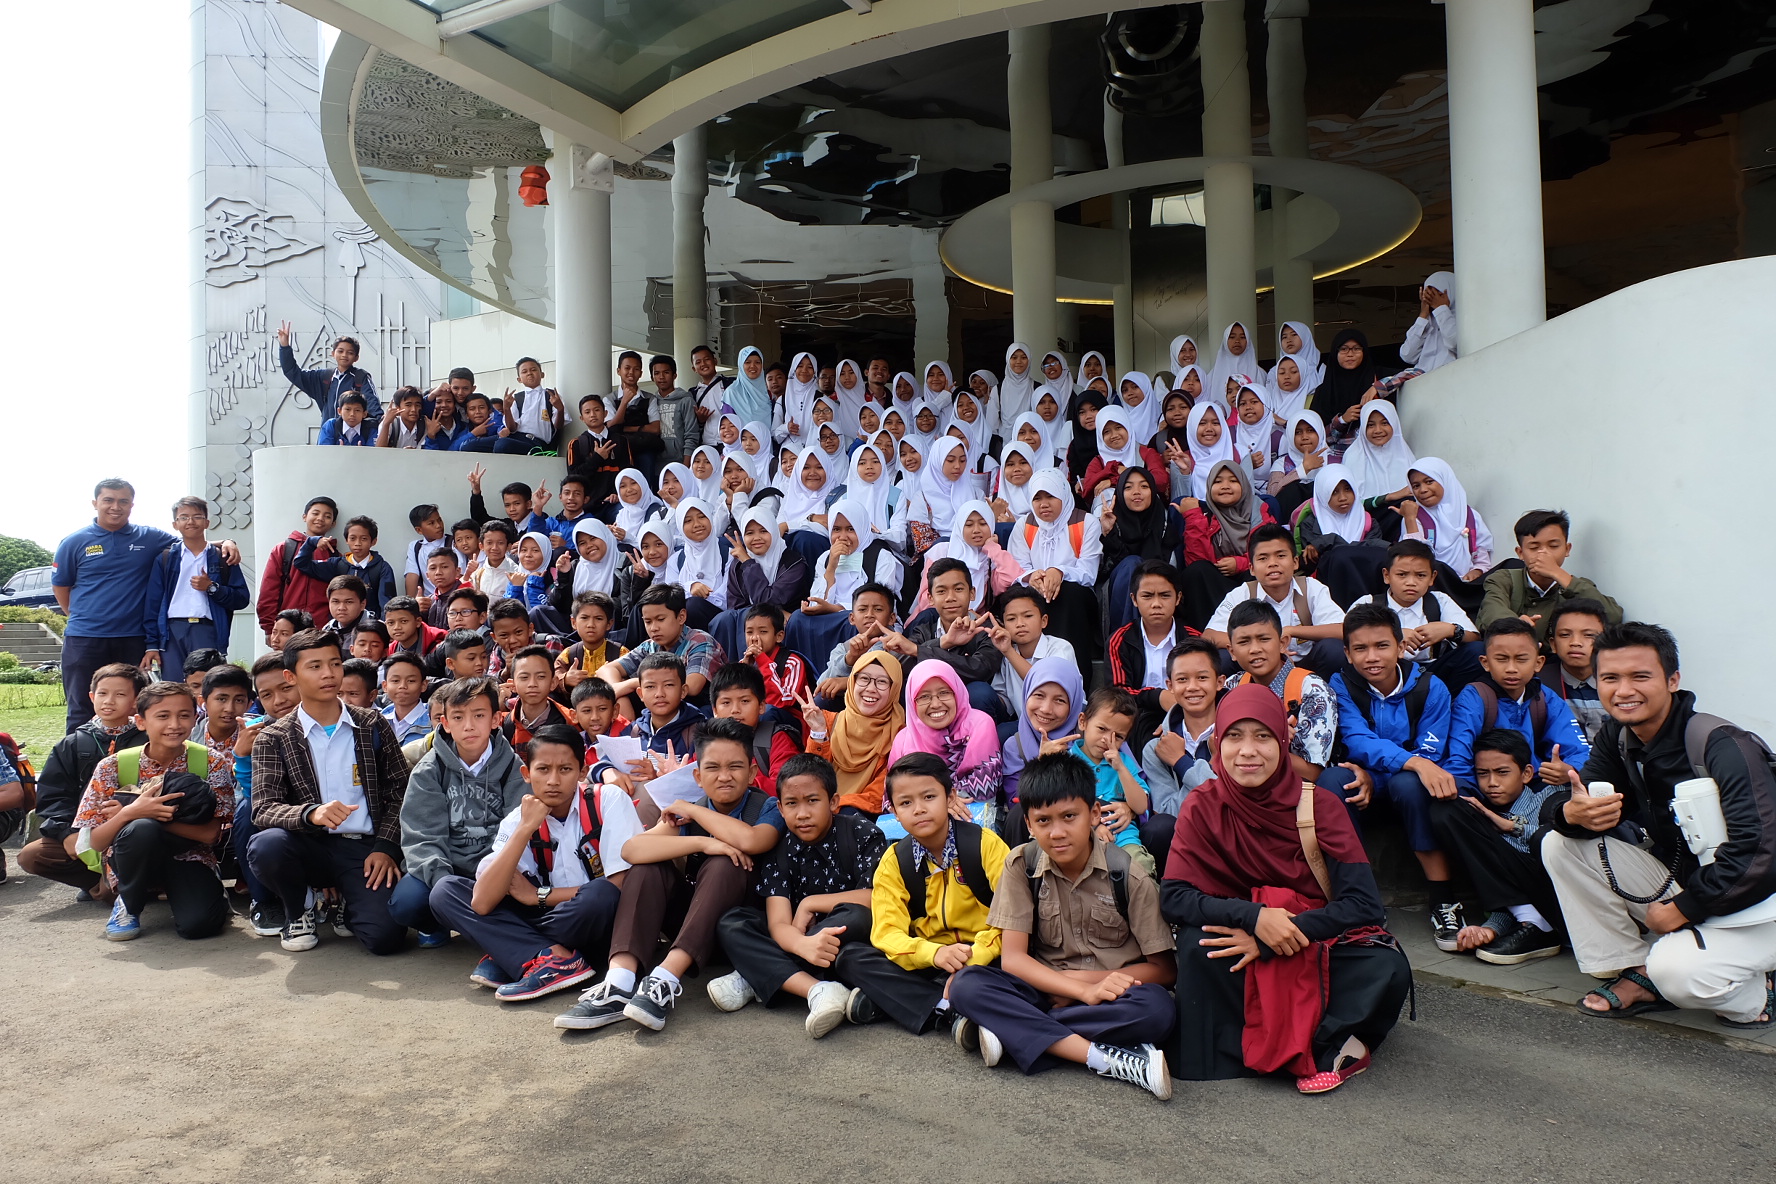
(1327, 1080)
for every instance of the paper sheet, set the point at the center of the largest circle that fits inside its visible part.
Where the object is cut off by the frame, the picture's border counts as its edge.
(620, 750)
(680, 785)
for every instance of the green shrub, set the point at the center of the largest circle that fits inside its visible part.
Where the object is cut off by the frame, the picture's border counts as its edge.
(18, 554)
(8, 661)
(42, 616)
(23, 677)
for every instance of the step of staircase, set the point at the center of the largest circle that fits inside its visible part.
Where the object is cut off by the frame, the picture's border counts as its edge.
(32, 644)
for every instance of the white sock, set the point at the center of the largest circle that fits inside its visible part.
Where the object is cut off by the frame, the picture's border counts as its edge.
(1095, 1060)
(943, 1007)
(664, 975)
(620, 979)
(1528, 914)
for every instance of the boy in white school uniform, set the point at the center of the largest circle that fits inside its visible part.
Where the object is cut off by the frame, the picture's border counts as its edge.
(1313, 623)
(1438, 634)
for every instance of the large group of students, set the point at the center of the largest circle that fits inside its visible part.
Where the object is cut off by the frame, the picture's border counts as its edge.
(1047, 710)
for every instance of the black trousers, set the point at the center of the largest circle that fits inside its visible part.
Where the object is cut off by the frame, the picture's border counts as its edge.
(81, 656)
(142, 857)
(1156, 835)
(746, 938)
(1074, 615)
(289, 863)
(1204, 590)
(905, 996)
(1503, 876)
(1368, 985)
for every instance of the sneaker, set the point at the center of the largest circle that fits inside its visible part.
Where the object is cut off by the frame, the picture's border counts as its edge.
(826, 1007)
(598, 1006)
(544, 975)
(1144, 1066)
(859, 1008)
(991, 1049)
(654, 997)
(1523, 944)
(432, 941)
(299, 933)
(731, 992)
(123, 925)
(1446, 923)
(336, 916)
(487, 973)
(267, 918)
(83, 897)
(966, 1033)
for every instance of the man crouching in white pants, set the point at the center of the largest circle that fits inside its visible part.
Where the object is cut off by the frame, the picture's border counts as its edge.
(1657, 921)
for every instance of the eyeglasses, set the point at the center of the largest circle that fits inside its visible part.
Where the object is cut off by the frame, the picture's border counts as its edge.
(933, 698)
(191, 520)
(877, 684)
(454, 613)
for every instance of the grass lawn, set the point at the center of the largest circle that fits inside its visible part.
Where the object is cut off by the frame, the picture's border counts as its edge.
(34, 716)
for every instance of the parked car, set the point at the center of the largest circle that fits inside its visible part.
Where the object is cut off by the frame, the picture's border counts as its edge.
(29, 588)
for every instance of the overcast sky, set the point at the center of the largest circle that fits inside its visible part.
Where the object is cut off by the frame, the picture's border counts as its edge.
(96, 310)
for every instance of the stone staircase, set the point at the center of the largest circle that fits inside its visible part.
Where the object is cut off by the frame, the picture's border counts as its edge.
(32, 644)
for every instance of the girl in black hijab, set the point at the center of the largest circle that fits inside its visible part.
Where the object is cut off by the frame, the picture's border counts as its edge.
(1084, 448)
(1349, 376)
(1138, 526)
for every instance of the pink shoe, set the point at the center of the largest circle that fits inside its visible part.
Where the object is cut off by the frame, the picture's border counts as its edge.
(1325, 1081)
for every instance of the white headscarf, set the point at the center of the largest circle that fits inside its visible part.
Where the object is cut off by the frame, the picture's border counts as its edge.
(1311, 419)
(589, 576)
(1044, 454)
(1052, 546)
(730, 417)
(687, 483)
(944, 496)
(1308, 356)
(1177, 364)
(939, 400)
(1129, 455)
(772, 559)
(543, 544)
(1348, 525)
(894, 399)
(980, 564)
(1016, 393)
(1253, 439)
(1016, 497)
(869, 498)
(1063, 384)
(1287, 403)
(761, 431)
(846, 582)
(1203, 396)
(1378, 470)
(1450, 541)
(662, 530)
(799, 501)
(1143, 420)
(630, 517)
(976, 433)
(1444, 282)
(850, 399)
(708, 488)
(1103, 372)
(799, 396)
(1060, 432)
(1204, 458)
(922, 439)
(1227, 364)
(747, 396)
(698, 563)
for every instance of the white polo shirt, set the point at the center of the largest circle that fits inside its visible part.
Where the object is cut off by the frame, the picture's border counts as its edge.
(188, 601)
(336, 768)
(1414, 616)
(1320, 606)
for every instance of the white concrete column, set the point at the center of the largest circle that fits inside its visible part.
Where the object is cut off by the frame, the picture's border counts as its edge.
(581, 183)
(1032, 162)
(1495, 171)
(690, 293)
(1122, 294)
(1285, 77)
(1227, 188)
(931, 303)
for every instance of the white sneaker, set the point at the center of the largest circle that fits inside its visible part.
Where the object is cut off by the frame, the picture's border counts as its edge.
(990, 1047)
(827, 1002)
(731, 992)
(1144, 1066)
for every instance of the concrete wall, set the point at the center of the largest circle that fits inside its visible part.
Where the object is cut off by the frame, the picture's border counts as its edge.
(1639, 415)
(380, 482)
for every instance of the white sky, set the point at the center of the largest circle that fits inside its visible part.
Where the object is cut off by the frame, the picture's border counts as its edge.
(96, 307)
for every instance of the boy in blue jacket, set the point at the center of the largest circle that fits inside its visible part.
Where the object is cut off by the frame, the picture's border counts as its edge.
(1393, 719)
(1511, 696)
(348, 427)
(193, 594)
(317, 557)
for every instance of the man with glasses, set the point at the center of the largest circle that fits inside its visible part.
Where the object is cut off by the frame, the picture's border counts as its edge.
(101, 582)
(193, 593)
(464, 608)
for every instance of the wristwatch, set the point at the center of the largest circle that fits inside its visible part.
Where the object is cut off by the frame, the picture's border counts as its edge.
(543, 893)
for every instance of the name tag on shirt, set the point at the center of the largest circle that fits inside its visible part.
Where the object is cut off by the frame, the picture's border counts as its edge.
(356, 780)
(95, 549)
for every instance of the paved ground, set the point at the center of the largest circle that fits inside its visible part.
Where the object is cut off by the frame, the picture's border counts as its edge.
(230, 1060)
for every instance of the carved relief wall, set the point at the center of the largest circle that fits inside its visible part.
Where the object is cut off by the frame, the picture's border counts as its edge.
(273, 240)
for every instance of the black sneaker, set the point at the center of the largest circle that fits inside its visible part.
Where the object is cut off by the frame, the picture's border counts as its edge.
(1523, 944)
(654, 997)
(1446, 923)
(299, 932)
(599, 1004)
(859, 1008)
(268, 918)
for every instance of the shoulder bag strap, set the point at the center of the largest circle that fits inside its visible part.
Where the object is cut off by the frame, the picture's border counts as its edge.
(1310, 841)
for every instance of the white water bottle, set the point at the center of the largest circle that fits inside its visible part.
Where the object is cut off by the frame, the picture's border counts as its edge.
(1696, 806)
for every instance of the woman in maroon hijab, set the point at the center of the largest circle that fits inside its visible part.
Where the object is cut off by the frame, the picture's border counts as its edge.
(1315, 982)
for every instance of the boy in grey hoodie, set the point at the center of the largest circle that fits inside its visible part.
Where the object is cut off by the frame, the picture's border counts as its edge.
(457, 794)
(679, 429)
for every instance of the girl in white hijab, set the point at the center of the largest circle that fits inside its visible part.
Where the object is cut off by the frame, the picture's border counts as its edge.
(1195, 384)
(728, 423)
(1290, 387)
(905, 390)
(1252, 440)
(699, 561)
(1296, 339)
(775, 553)
(797, 409)
(1091, 366)
(804, 501)
(939, 393)
(1061, 379)
(1304, 453)
(922, 437)
(657, 529)
(596, 567)
(1017, 464)
(1349, 524)
(851, 391)
(708, 486)
(1129, 455)
(836, 581)
(1445, 520)
(755, 439)
(674, 485)
(1017, 389)
(978, 555)
(873, 498)
(742, 477)
(1051, 409)
(1236, 358)
(945, 482)
(635, 501)
(1210, 442)
(974, 430)
(1183, 353)
(1430, 342)
(1042, 451)
(1142, 407)
(1380, 456)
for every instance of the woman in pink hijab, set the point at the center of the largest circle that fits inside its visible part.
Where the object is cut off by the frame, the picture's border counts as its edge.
(941, 722)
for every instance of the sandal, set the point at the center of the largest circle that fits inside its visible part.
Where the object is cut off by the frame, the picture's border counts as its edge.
(1769, 1009)
(1619, 1010)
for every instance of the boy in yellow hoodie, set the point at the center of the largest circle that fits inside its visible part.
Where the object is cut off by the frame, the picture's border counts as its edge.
(917, 945)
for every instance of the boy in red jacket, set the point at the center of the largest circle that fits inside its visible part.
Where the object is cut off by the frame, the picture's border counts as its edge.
(282, 586)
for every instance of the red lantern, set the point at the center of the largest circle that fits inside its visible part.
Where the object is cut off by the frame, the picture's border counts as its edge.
(533, 186)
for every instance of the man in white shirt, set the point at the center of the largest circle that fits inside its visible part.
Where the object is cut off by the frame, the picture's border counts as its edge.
(709, 390)
(189, 609)
(1313, 624)
(534, 413)
(328, 781)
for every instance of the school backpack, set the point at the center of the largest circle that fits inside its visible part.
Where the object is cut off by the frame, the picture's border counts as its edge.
(542, 847)
(1696, 733)
(1538, 710)
(1415, 699)
(26, 774)
(1116, 860)
(1303, 614)
(1075, 533)
(843, 834)
(968, 860)
(767, 731)
(198, 805)
(1292, 685)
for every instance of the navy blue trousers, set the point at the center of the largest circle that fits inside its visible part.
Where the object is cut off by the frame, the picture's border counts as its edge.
(512, 934)
(1018, 1014)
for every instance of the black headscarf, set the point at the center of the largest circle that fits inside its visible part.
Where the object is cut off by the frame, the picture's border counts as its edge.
(1085, 442)
(1153, 533)
(1343, 389)
(1167, 433)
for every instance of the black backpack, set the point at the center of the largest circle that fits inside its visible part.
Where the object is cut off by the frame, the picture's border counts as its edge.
(1115, 859)
(843, 834)
(1415, 698)
(1538, 710)
(968, 857)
